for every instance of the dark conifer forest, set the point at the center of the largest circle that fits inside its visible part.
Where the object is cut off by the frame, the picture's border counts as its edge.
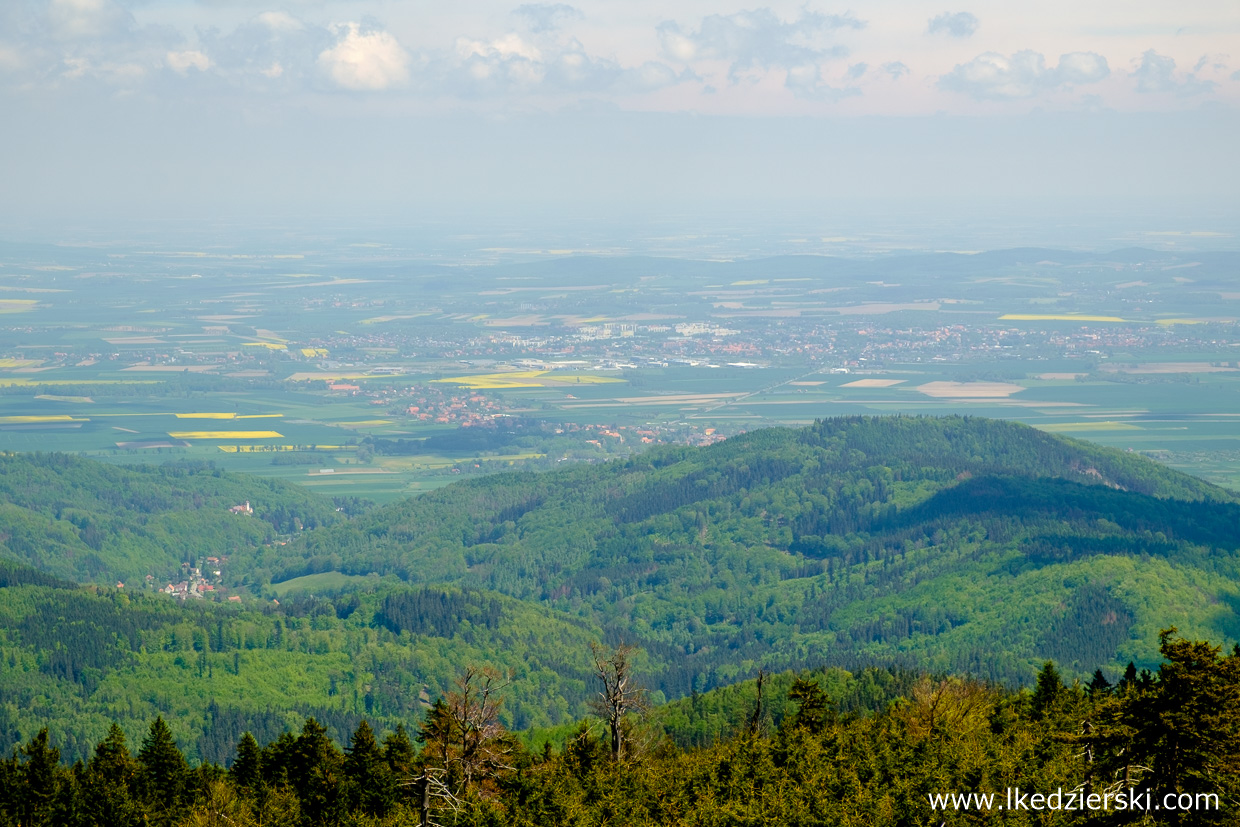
(785, 749)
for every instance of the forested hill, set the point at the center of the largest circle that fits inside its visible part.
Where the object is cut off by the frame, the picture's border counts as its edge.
(92, 522)
(952, 545)
(956, 543)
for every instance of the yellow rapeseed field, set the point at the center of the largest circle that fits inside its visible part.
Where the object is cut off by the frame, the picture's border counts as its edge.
(527, 379)
(1056, 427)
(1039, 317)
(225, 435)
(23, 382)
(267, 449)
(494, 381)
(225, 415)
(17, 420)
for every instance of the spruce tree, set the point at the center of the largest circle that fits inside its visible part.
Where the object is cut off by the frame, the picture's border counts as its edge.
(246, 771)
(1189, 724)
(40, 780)
(1048, 690)
(108, 785)
(279, 758)
(814, 710)
(164, 774)
(318, 775)
(1099, 685)
(366, 773)
(1130, 677)
(399, 755)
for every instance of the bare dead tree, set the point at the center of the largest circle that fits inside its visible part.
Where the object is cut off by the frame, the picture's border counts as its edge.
(473, 712)
(466, 747)
(621, 695)
(433, 791)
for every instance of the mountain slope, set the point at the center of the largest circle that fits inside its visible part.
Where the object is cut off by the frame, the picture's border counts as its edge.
(78, 659)
(951, 542)
(92, 522)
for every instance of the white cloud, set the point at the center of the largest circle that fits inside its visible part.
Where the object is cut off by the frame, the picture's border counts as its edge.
(992, 76)
(527, 52)
(10, 58)
(87, 19)
(1157, 74)
(279, 21)
(895, 69)
(122, 74)
(509, 46)
(757, 39)
(575, 70)
(805, 81)
(493, 66)
(49, 44)
(1081, 67)
(957, 24)
(1215, 62)
(649, 76)
(365, 60)
(273, 51)
(539, 63)
(546, 17)
(182, 62)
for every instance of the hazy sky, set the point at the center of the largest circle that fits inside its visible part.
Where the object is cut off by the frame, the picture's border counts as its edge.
(150, 108)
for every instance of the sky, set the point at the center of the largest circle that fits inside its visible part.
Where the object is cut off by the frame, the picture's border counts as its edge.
(390, 109)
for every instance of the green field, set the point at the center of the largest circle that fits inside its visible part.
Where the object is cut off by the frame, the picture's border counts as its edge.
(327, 581)
(1188, 420)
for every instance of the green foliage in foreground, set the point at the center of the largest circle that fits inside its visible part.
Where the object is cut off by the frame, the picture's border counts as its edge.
(1173, 736)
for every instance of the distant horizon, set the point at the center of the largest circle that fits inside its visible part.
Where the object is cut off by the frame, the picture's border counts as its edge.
(482, 238)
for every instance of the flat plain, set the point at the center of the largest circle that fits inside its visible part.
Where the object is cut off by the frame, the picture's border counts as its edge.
(363, 371)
